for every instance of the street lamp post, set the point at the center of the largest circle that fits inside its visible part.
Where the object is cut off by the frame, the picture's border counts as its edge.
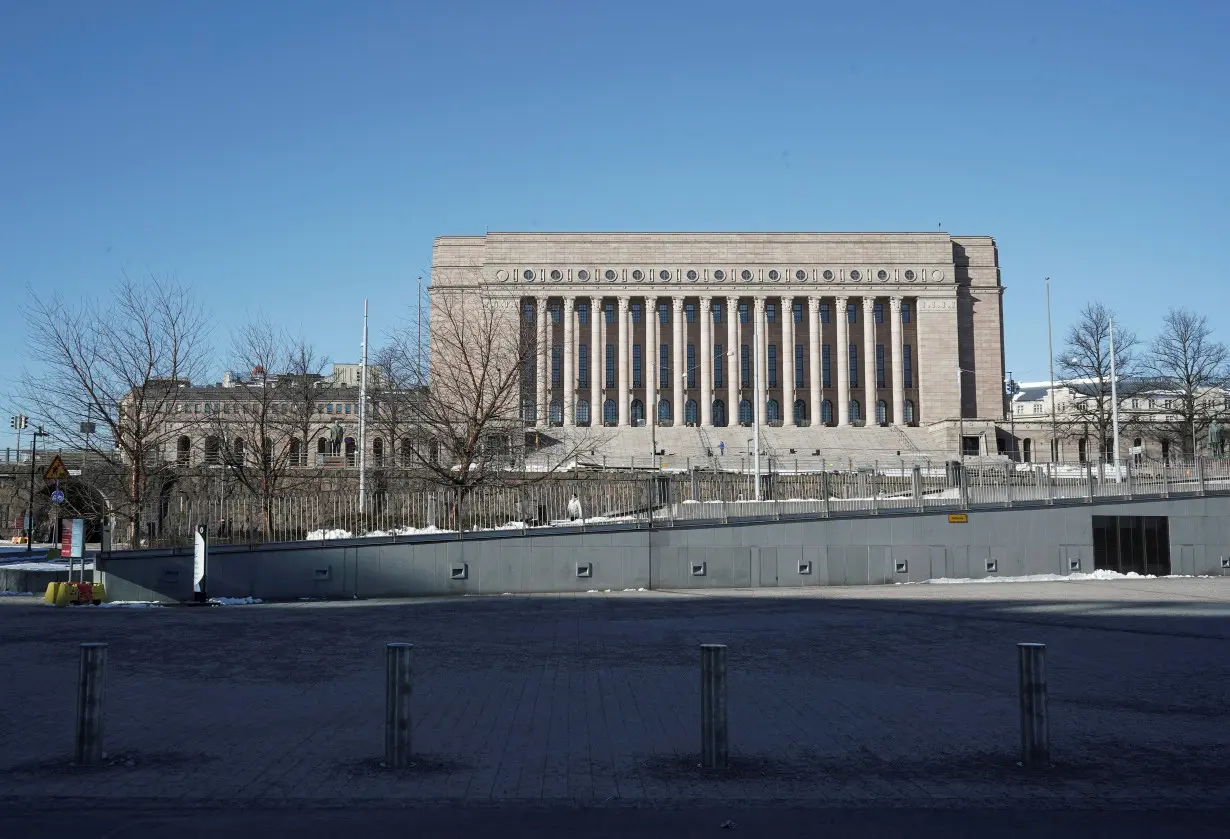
(34, 435)
(1013, 389)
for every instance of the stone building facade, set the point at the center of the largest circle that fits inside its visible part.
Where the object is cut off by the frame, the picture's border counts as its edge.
(893, 330)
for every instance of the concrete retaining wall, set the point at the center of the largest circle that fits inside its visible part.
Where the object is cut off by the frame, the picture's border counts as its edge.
(798, 552)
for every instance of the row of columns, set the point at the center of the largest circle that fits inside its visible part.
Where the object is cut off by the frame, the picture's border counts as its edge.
(704, 363)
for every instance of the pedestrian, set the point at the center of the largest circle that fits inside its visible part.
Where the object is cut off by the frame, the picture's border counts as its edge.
(574, 508)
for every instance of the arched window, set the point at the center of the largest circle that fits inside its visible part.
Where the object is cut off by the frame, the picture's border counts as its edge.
(213, 454)
(557, 412)
(638, 412)
(745, 412)
(350, 451)
(826, 412)
(664, 411)
(689, 412)
(529, 411)
(800, 412)
(435, 454)
(267, 452)
(1082, 449)
(377, 452)
(1027, 450)
(296, 451)
(183, 452)
(856, 411)
(610, 412)
(407, 451)
(582, 412)
(1137, 443)
(909, 412)
(881, 412)
(773, 411)
(719, 413)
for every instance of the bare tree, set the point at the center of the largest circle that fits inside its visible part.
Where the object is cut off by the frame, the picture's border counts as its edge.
(1191, 370)
(262, 423)
(120, 363)
(1084, 366)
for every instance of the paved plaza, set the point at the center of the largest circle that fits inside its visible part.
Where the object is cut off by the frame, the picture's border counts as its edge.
(882, 697)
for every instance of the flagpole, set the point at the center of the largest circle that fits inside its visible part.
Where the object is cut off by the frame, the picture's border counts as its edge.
(363, 418)
(1114, 398)
(1050, 349)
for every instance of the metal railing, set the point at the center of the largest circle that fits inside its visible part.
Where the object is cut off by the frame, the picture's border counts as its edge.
(588, 498)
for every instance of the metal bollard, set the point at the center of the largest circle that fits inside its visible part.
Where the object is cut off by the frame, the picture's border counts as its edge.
(1035, 730)
(398, 684)
(91, 690)
(714, 745)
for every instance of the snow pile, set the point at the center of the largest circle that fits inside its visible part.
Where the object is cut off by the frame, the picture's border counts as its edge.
(336, 533)
(407, 531)
(130, 604)
(235, 601)
(1041, 578)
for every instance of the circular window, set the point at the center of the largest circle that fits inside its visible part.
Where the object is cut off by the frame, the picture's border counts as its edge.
(774, 276)
(719, 275)
(909, 275)
(937, 275)
(828, 275)
(638, 275)
(745, 274)
(583, 275)
(800, 275)
(692, 276)
(501, 275)
(882, 275)
(610, 275)
(855, 275)
(664, 275)
(529, 275)
(555, 274)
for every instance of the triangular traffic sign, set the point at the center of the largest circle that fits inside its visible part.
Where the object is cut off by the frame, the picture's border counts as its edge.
(55, 471)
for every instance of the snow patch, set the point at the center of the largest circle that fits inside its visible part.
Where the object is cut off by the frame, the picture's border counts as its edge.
(130, 604)
(16, 594)
(235, 601)
(1046, 578)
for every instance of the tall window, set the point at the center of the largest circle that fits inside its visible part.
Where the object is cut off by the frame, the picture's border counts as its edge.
(773, 411)
(745, 364)
(881, 412)
(664, 410)
(824, 312)
(583, 364)
(582, 412)
(798, 312)
(556, 415)
(772, 365)
(664, 314)
(610, 412)
(880, 366)
(854, 365)
(909, 412)
(826, 412)
(719, 360)
(636, 366)
(744, 314)
(907, 365)
(689, 412)
(610, 365)
(557, 312)
(638, 412)
(800, 412)
(745, 412)
(826, 368)
(851, 313)
(799, 356)
(664, 366)
(770, 312)
(879, 312)
(583, 314)
(636, 312)
(855, 411)
(689, 312)
(557, 367)
(527, 311)
(610, 313)
(719, 412)
(717, 312)
(691, 365)
(905, 312)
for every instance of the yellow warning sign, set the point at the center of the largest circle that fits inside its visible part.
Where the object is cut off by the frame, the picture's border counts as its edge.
(957, 518)
(55, 471)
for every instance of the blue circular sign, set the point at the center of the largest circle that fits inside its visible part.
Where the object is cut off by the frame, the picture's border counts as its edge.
(57, 497)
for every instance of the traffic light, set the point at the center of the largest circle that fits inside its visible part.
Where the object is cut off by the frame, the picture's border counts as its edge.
(19, 422)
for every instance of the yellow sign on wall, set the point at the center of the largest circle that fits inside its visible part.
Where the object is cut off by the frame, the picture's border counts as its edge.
(958, 518)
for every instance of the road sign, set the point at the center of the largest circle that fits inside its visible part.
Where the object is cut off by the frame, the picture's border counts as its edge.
(56, 470)
(57, 497)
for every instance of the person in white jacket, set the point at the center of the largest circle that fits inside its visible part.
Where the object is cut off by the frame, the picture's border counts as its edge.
(574, 508)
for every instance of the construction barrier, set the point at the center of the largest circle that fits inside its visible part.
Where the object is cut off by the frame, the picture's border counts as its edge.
(68, 594)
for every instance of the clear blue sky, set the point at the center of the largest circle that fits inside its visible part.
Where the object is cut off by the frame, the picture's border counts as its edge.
(295, 157)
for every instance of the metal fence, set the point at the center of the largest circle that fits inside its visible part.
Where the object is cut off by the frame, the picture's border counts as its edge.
(586, 498)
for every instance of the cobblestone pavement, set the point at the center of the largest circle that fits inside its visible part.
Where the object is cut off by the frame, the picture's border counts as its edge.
(894, 697)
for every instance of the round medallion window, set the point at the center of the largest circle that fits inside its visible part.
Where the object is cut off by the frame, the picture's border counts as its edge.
(719, 275)
(855, 275)
(664, 275)
(638, 275)
(909, 275)
(555, 274)
(828, 275)
(529, 275)
(610, 275)
(774, 276)
(583, 275)
(882, 275)
(937, 275)
(746, 275)
(800, 275)
(692, 276)
(501, 275)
